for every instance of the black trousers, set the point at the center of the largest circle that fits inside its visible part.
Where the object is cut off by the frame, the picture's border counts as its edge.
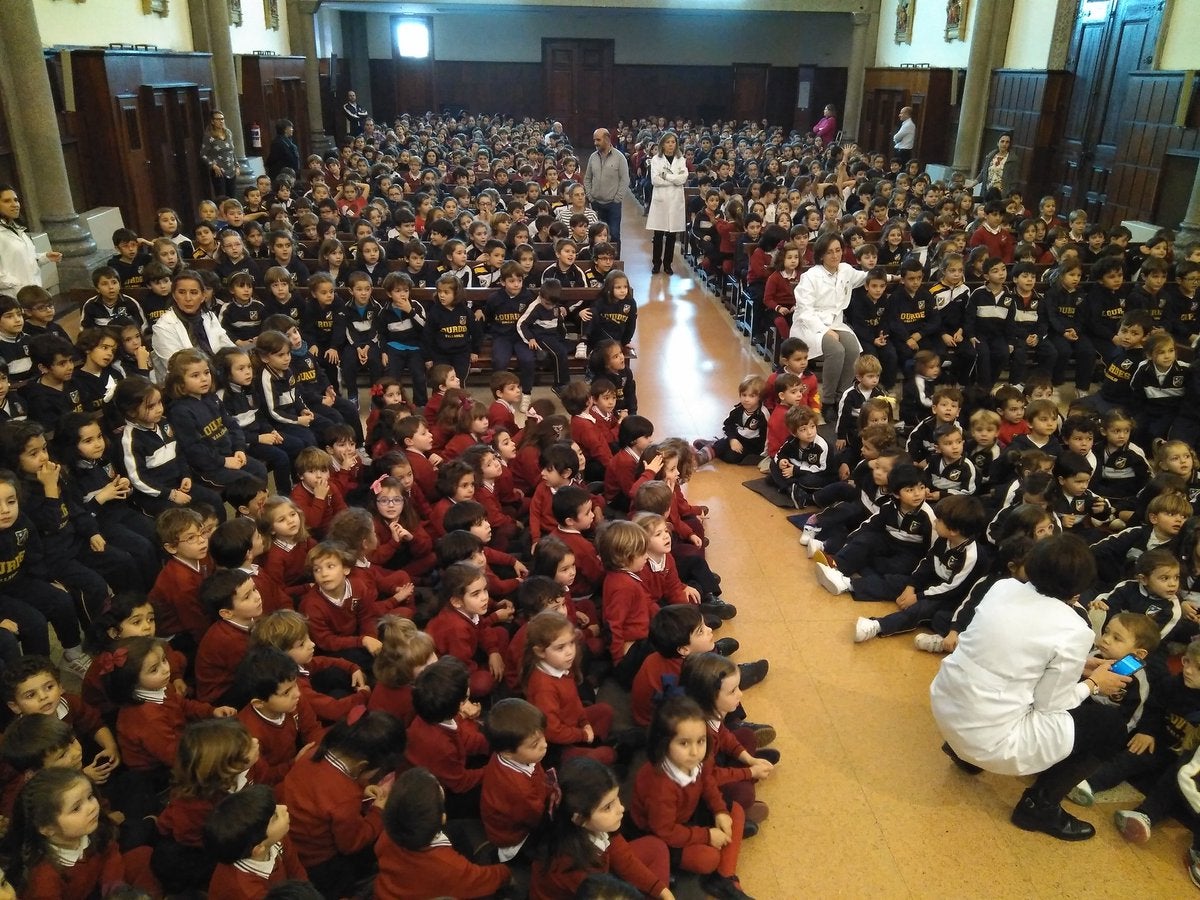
(1099, 735)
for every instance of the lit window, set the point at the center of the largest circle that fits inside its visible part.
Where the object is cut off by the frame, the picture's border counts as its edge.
(412, 38)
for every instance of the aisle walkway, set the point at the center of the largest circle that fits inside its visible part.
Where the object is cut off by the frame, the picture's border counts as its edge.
(864, 804)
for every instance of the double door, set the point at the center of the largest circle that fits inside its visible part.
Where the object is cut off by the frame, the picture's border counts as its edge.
(577, 80)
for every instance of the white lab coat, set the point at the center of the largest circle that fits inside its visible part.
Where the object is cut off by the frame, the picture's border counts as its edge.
(821, 300)
(171, 336)
(19, 260)
(1002, 698)
(667, 207)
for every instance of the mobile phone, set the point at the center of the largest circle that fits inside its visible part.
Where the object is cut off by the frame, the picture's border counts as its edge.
(1127, 665)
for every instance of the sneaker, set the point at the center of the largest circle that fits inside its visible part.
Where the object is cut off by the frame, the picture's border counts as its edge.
(930, 643)
(701, 443)
(704, 455)
(524, 405)
(865, 629)
(1193, 860)
(1082, 794)
(815, 546)
(753, 672)
(1133, 825)
(807, 533)
(726, 646)
(77, 666)
(821, 558)
(757, 812)
(800, 497)
(832, 580)
(581, 350)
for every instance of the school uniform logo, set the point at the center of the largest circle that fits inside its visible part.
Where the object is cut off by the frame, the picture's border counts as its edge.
(1120, 463)
(1177, 381)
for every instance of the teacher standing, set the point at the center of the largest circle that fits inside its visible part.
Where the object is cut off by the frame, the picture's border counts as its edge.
(668, 214)
(19, 259)
(218, 155)
(822, 295)
(1013, 697)
(1000, 170)
(826, 129)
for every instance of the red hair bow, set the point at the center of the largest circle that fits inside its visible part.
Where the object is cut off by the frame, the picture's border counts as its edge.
(376, 390)
(109, 661)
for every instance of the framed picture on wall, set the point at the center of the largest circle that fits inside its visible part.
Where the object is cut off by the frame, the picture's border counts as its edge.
(956, 20)
(235, 12)
(271, 14)
(157, 7)
(905, 11)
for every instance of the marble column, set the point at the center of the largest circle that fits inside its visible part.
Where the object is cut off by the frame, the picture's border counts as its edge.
(37, 146)
(1189, 228)
(856, 73)
(302, 33)
(225, 83)
(973, 103)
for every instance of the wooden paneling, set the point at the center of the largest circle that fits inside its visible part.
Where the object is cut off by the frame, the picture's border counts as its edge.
(273, 88)
(750, 90)
(1146, 135)
(514, 89)
(689, 92)
(927, 91)
(1030, 104)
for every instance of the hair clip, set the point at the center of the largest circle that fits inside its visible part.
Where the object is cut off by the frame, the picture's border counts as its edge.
(114, 660)
(377, 484)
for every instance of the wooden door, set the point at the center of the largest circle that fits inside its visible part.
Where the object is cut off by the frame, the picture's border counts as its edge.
(171, 114)
(133, 147)
(577, 82)
(880, 115)
(1111, 41)
(290, 101)
(750, 91)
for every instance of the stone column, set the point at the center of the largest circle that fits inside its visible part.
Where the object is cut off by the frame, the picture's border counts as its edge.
(973, 103)
(25, 86)
(856, 73)
(302, 34)
(1189, 228)
(225, 82)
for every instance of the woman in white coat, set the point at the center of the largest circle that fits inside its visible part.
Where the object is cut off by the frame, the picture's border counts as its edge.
(667, 216)
(822, 295)
(186, 324)
(19, 259)
(1013, 697)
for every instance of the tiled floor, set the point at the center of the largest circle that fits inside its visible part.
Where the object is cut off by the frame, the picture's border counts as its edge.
(864, 803)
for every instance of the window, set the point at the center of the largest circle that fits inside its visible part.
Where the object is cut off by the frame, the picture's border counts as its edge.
(412, 38)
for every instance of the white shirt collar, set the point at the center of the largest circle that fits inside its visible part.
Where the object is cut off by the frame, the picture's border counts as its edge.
(552, 671)
(440, 840)
(261, 867)
(63, 709)
(523, 768)
(286, 546)
(470, 617)
(159, 696)
(68, 857)
(658, 565)
(339, 602)
(277, 720)
(601, 841)
(678, 775)
(449, 724)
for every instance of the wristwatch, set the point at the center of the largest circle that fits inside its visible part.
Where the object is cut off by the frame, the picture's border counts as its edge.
(1095, 687)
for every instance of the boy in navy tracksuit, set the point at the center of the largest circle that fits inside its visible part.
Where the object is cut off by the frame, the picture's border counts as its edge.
(501, 312)
(541, 327)
(915, 321)
(1028, 328)
(1105, 305)
(358, 335)
(1123, 358)
(1068, 334)
(985, 321)
(1158, 386)
(939, 583)
(868, 316)
(802, 465)
(402, 334)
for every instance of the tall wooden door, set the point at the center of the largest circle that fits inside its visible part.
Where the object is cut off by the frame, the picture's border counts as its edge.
(1112, 40)
(750, 90)
(880, 117)
(577, 80)
(173, 128)
(134, 152)
(289, 100)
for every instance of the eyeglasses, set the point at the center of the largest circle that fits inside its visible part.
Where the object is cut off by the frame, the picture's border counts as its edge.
(192, 539)
(389, 501)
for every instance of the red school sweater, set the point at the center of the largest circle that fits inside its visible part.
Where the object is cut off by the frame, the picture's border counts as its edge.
(485, 496)
(274, 597)
(621, 474)
(541, 512)
(174, 597)
(559, 699)
(526, 468)
(95, 694)
(628, 609)
(456, 635)
(334, 628)
(649, 681)
(591, 437)
(419, 874)
(96, 873)
(458, 445)
(183, 820)
(501, 415)
(395, 700)
(661, 807)
(288, 566)
(278, 742)
(512, 802)
(424, 474)
(558, 878)
(148, 733)
(680, 528)
(318, 511)
(328, 709)
(589, 570)
(444, 751)
(664, 586)
(220, 652)
(327, 810)
(723, 741)
(236, 881)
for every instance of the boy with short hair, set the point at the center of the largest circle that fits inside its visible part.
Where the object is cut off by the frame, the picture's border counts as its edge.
(914, 320)
(340, 621)
(417, 440)
(1043, 419)
(357, 338)
(175, 593)
(946, 403)
(515, 786)
(1028, 327)
(1126, 353)
(633, 437)
(247, 835)
(401, 334)
(868, 370)
(129, 260)
(790, 391)
(573, 510)
(1117, 555)
(676, 632)
(109, 302)
(1153, 591)
(916, 394)
(802, 464)
(793, 356)
(1105, 305)
(992, 234)
(14, 342)
(507, 397)
(234, 604)
(983, 448)
(502, 311)
(38, 308)
(275, 713)
(939, 583)
(319, 499)
(50, 395)
(949, 472)
(868, 316)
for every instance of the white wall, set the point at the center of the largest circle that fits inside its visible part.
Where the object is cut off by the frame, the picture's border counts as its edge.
(1029, 36)
(104, 22)
(252, 35)
(643, 37)
(929, 44)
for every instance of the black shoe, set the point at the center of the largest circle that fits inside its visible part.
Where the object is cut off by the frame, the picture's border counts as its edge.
(710, 619)
(667, 268)
(656, 268)
(764, 735)
(969, 768)
(726, 646)
(800, 497)
(718, 607)
(770, 754)
(1034, 814)
(749, 829)
(753, 672)
(716, 885)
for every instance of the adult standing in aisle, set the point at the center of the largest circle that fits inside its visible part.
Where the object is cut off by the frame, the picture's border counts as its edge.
(667, 216)
(219, 156)
(606, 180)
(355, 114)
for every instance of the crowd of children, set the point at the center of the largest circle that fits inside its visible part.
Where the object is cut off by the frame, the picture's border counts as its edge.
(960, 443)
(316, 650)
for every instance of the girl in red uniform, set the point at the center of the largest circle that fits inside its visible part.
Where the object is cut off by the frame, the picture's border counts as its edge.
(582, 835)
(404, 654)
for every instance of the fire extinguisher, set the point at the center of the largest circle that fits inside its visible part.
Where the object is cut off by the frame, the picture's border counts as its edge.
(255, 136)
